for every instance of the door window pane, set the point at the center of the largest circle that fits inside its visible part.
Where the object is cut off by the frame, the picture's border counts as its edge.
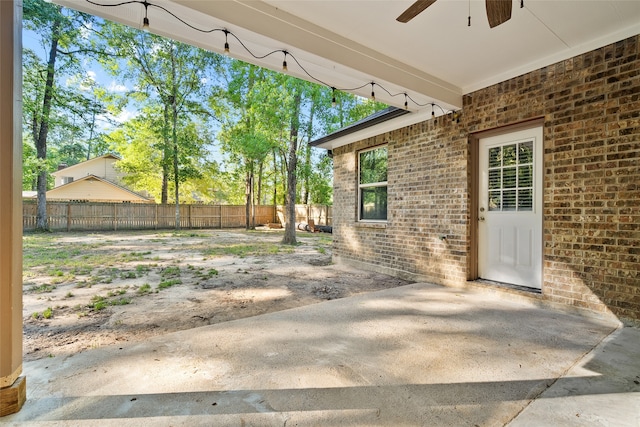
(525, 200)
(510, 171)
(509, 178)
(509, 155)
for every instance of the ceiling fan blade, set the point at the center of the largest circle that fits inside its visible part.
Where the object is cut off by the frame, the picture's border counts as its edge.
(414, 10)
(498, 11)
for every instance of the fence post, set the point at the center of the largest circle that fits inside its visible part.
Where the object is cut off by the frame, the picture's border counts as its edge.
(68, 217)
(156, 221)
(115, 217)
(189, 215)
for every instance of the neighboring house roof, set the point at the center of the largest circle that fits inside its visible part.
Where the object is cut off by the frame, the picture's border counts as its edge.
(79, 166)
(101, 190)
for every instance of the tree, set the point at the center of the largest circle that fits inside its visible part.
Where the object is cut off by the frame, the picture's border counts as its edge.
(250, 124)
(65, 36)
(167, 73)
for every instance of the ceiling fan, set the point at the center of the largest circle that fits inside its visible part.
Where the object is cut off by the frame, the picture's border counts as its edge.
(498, 11)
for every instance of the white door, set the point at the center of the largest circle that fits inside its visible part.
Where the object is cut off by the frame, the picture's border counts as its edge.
(510, 216)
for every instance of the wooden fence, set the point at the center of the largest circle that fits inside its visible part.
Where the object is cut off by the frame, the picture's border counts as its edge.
(74, 216)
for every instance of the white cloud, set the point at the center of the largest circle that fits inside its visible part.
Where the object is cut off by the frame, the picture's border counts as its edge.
(115, 87)
(126, 115)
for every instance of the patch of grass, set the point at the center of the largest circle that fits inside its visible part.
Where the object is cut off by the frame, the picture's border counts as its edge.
(98, 303)
(62, 279)
(322, 250)
(42, 288)
(120, 301)
(168, 283)
(142, 269)
(128, 275)
(212, 272)
(170, 272)
(243, 250)
(48, 313)
(116, 292)
(187, 234)
(82, 270)
(144, 289)
(69, 295)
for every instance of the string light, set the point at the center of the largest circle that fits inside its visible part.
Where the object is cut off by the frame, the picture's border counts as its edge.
(226, 51)
(226, 42)
(145, 20)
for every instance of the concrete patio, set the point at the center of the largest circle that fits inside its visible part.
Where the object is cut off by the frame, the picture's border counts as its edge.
(415, 355)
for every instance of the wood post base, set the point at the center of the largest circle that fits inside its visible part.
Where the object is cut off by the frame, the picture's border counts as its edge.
(13, 397)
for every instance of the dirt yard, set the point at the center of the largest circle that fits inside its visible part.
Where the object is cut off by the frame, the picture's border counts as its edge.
(87, 290)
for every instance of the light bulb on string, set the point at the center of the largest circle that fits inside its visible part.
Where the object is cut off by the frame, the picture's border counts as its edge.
(373, 94)
(284, 63)
(406, 102)
(226, 42)
(145, 20)
(333, 97)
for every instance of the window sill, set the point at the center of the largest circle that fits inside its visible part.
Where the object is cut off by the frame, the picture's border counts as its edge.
(378, 225)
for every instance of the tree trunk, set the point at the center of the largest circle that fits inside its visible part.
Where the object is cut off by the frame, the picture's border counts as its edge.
(42, 220)
(258, 200)
(275, 178)
(248, 206)
(290, 228)
(164, 197)
(307, 156)
(174, 137)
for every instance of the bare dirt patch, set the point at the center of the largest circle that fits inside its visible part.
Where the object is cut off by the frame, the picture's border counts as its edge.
(86, 290)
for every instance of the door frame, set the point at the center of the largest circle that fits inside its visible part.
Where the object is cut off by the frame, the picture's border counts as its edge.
(474, 187)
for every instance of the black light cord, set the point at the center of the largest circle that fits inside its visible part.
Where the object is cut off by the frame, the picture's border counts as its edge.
(286, 53)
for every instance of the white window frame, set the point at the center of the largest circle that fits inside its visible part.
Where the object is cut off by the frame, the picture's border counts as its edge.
(371, 185)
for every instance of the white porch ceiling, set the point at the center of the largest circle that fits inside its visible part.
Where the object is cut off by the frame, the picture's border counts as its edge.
(435, 58)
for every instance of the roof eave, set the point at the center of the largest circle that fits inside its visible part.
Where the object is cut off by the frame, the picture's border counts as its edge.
(392, 119)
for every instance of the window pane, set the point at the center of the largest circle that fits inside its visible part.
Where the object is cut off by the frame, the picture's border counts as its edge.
(495, 157)
(525, 152)
(373, 166)
(373, 203)
(495, 200)
(509, 178)
(525, 200)
(525, 176)
(509, 155)
(495, 179)
(509, 200)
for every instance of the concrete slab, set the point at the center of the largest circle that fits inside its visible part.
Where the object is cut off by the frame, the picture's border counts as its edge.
(415, 355)
(602, 389)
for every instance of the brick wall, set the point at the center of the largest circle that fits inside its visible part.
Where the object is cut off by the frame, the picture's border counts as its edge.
(591, 110)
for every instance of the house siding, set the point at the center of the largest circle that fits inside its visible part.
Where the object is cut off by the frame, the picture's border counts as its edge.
(94, 190)
(103, 167)
(590, 108)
